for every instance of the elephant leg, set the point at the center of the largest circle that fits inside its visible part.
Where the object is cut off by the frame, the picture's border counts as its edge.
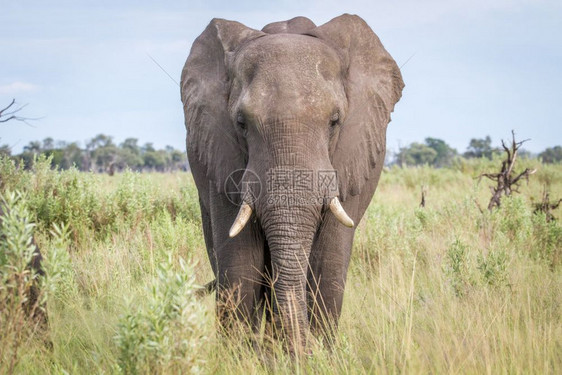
(240, 266)
(329, 260)
(327, 274)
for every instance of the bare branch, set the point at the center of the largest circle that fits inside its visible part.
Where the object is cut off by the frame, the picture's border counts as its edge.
(526, 173)
(505, 183)
(12, 115)
(491, 176)
(14, 111)
(8, 119)
(546, 207)
(9, 105)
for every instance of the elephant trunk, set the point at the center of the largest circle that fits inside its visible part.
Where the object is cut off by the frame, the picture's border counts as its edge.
(289, 232)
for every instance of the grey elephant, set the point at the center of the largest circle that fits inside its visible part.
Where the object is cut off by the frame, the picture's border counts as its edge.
(294, 117)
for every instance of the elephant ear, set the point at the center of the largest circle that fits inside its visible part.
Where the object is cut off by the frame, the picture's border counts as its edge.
(212, 141)
(297, 25)
(373, 85)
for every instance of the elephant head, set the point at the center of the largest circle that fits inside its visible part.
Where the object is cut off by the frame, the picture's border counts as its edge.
(305, 109)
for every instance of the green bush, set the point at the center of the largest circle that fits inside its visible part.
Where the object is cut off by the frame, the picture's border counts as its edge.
(18, 285)
(459, 267)
(548, 241)
(166, 333)
(92, 205)
(24, 292)
(493, 267)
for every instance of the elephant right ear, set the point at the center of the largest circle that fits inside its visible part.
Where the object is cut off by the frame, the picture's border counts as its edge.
(212, 142)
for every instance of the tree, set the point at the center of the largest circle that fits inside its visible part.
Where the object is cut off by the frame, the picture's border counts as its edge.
(507, 181)
(33, 147)
(148, 147)
(132, 145)
(98, 152)
(100, 140)
(155, 160)
(445, 153)
(129, 158)
(551, 155)
(5, 150)
(48, 144)
(72, 156)
(29, 152)
(105, 156)
(433, 151)
(480, 147)
(416, 154)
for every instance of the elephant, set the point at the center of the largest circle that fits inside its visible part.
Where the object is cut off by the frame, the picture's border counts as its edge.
(294, 116)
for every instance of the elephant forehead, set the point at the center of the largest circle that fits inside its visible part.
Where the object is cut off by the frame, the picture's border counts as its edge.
(288, 56)
(287, 73)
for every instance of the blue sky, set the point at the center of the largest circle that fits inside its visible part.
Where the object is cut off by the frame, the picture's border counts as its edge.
(472, 68)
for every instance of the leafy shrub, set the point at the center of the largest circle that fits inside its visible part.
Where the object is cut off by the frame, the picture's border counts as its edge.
(166, 334)
(18, 280)
(458, 266)
(24, 293)
(548, 237)
(59, 281)
(83, 203)
(514, 218)
(493, 267)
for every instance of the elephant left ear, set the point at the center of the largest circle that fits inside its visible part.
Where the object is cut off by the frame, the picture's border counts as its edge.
(373, 85)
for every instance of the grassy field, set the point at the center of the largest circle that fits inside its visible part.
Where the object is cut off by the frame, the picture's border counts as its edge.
(440, 289)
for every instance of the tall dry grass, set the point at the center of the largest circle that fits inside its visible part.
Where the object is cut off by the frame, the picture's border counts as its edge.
(440, 289)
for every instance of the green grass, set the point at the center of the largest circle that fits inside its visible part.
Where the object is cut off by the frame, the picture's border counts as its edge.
(440, 289)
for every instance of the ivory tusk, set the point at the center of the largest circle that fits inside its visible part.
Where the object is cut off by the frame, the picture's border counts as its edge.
(241, 220)
(339, 213)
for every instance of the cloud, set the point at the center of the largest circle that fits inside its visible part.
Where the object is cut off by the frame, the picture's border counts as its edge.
(17, 88)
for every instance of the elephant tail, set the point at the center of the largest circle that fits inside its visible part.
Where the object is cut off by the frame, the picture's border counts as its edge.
(206, 289)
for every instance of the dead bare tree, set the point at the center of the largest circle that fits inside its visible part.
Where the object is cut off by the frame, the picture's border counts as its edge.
(507, 181)
(546, 206)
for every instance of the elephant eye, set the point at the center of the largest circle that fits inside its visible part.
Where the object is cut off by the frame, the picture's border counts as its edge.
(240, 122)
(335, 118)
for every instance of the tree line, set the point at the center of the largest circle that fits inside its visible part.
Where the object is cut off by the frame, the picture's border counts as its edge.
(437, 153)
(101, 154)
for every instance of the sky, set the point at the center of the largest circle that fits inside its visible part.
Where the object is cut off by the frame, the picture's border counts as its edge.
(471, 67)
